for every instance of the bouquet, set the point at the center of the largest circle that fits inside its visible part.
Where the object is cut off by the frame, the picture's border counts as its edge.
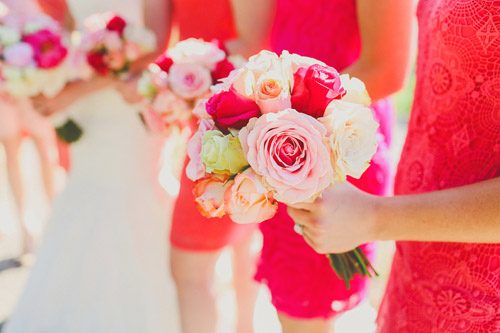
(281, 129)
(110, 43)
(107, 46)
(179, 79)
(32, 56)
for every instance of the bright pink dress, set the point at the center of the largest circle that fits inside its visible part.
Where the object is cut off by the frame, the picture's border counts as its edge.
(453, 140)
(190, 231)
(302, 283)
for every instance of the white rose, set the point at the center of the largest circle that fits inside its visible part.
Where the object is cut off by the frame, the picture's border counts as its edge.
(263, 62)
(242, 80)
(291, 62)
(355, 90)
(189, 80)
(352, 134)
(196, 51)
(54, 81)
(9, 35)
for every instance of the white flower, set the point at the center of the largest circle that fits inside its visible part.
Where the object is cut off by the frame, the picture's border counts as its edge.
(9, 35)
(352, 134)
(355, 90)
(196, 51)
(145, 86)
(263, 62)
(53, 81)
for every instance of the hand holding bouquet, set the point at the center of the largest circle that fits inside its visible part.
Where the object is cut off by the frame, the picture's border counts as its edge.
(281, 129)
(32, 56)
(179, 79)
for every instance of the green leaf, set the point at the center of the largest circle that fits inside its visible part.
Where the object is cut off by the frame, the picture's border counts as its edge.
(70, 132)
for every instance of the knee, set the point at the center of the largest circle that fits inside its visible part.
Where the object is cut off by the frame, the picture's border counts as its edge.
(187, 276)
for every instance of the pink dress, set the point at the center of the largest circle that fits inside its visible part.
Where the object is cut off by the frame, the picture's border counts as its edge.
(453, 140)
(302, 283)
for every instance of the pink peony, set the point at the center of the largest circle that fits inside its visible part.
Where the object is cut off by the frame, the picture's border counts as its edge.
(209, 195)
(248, 201)
(189, 80)
(19, 55)
(314, 88)
(196, 168)
(231, 109)
(289, 151)
(49, 51)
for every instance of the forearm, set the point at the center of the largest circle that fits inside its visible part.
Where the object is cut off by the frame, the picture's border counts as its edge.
(468, 214)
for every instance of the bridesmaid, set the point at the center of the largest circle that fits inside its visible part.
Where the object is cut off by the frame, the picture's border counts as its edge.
(17, 116)
(345, 35)
(445, 275)
(197, 242)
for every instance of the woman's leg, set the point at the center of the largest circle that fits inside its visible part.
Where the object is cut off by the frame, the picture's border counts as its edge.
(45, 147)
(194, 276)
(12, 147)
(246, 288)
(295, 325)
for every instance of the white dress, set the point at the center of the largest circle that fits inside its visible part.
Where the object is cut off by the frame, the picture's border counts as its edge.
(102, 263)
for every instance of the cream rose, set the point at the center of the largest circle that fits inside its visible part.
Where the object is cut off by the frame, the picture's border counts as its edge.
(194, 50)
(263, 62)
(248, 201)
(352, 134)
(355, 90)
(288, 150)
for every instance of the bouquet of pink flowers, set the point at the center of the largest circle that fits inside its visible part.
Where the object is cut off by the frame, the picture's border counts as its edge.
(110, 43)
(281, 129)
(32, 56)
(179, 79)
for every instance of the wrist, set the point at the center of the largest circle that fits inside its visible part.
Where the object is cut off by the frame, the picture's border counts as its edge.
(381, 221)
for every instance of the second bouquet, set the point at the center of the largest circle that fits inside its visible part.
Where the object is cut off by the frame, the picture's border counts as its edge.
(281, 129)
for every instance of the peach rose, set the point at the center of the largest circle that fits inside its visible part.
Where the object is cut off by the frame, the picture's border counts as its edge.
(352, 134)
(196, 168)
(209, 195)
(248, 201)
(288, 150)
(189, 80)
(272, 93)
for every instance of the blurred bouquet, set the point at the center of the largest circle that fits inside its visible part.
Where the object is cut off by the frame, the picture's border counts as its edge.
(32, 56)
(110, 44)
(179, 82)
(281, 129)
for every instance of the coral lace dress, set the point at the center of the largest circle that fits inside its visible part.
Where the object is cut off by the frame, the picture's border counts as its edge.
(453, 140)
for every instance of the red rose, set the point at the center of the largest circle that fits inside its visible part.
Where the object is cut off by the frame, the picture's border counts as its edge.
(231, 109)
(97, 61)
(314, 88)
(116, 24)
(164, 62)
(222, 70)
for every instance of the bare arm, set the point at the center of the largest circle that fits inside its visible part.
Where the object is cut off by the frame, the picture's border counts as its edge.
(253, 19)
(386, 37)
(346, 217)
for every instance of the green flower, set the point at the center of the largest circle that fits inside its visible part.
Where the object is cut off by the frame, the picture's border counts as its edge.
(222, 153)
(145, 86)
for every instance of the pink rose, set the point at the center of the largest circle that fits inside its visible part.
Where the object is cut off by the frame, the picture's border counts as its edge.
(112, 41)
(288, 150)
(19, 55)
(171, 107)
(153, 120)
(132, 51)
(272, 93)
(49, 51)
(189, 80)
(314, 88)
(209, 195)
(196, 168)
(164, 62)
(248, 201)
(231, 109)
